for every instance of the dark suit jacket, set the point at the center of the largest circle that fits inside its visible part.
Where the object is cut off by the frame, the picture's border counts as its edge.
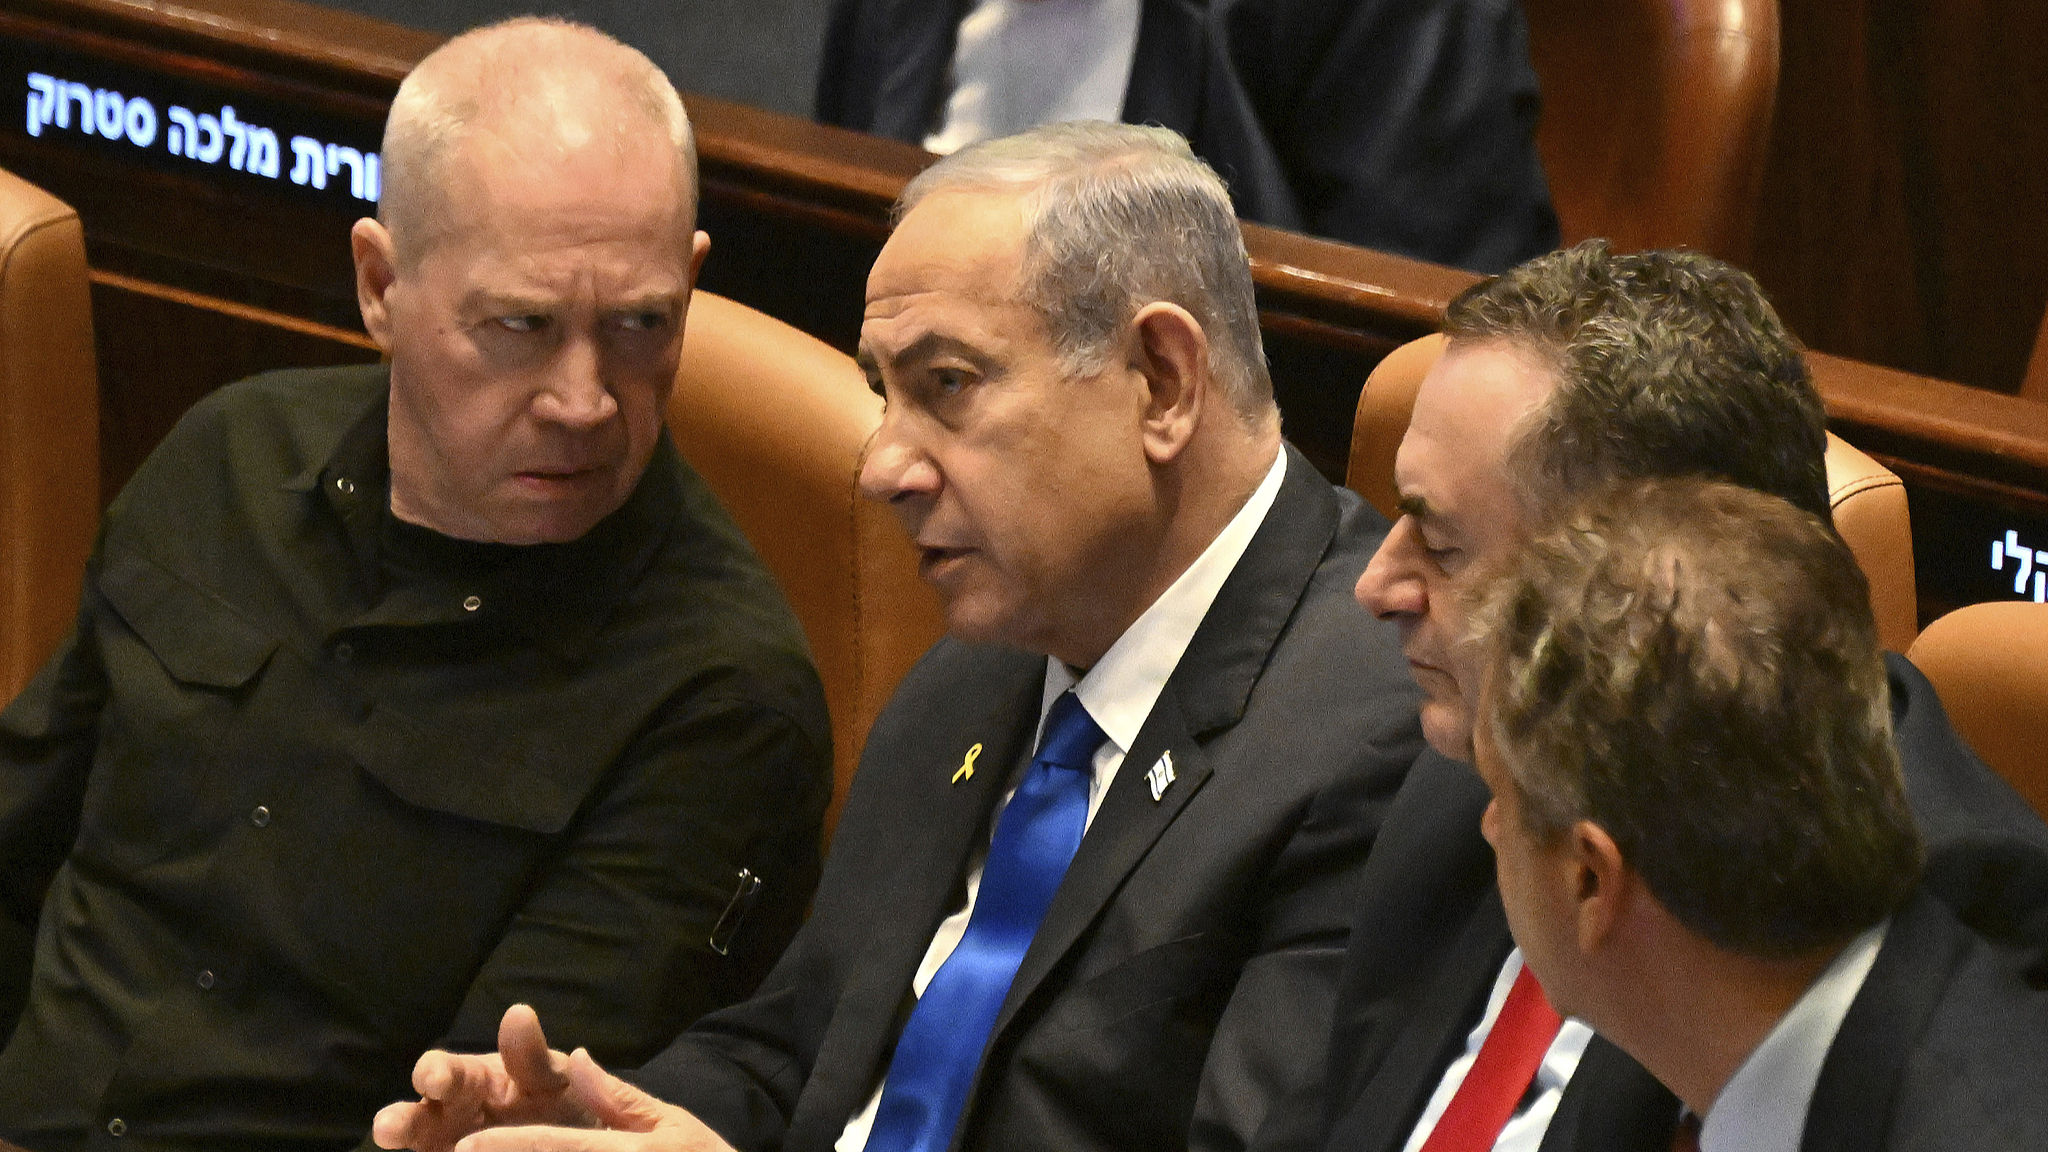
(1944, 1048)
(1184, 972)
(1396, 124)
(1430, 936)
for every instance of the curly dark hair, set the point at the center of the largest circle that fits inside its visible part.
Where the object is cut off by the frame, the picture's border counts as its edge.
(1693, 667)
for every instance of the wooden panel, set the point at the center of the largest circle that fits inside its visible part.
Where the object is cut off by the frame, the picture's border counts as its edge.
(204, 273)
(1905, 215)
(159, 351)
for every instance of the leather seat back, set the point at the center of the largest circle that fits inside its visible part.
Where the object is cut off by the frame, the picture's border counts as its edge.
(776, 422)
(1989, 663)
(1656, 118)
(1869, 502)
(49, 427)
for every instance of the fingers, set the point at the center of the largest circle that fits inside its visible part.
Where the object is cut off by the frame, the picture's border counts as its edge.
(665, 1139)
(524, 1048)
(612, 1103)
(441, 1075)
(564, 1140)
(423, 1127)
(392, 1127)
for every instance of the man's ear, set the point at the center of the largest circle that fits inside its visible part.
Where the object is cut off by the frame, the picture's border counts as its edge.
(1172, 352)
(1602, 884)
(376, 271)
(700, 247)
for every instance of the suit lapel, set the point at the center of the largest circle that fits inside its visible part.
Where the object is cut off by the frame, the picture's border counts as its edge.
(1893, 1009)
(948, 828)
(909, 54)
(1427, 939)
(1611, 1104)
(1172, 38)
(1125, 828)
(1399, 1082)
(1207, 692)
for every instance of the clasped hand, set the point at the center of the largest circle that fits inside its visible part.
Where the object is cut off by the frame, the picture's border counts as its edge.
(530, 1098)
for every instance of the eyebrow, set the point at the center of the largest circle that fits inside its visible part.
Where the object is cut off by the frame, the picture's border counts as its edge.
(925, 347)
(1416, 506)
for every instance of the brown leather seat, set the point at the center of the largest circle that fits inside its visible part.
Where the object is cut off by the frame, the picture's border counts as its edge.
(776, 421)
(1989, 662)
(1656, 118)
(1869, 501)
(49, 427)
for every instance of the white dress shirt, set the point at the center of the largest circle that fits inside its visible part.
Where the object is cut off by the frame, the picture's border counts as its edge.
(1763, 1106)
(1021, 63)
(1118, 693)
(1524, 1130)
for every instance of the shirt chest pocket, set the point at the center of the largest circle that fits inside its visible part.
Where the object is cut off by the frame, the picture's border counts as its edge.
(181, 672)
(405, 872)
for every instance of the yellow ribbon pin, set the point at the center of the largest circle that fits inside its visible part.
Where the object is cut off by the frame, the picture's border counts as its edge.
(966, 771)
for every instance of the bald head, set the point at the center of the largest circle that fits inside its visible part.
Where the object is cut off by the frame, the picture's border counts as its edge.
(523, 96)
(529, 277)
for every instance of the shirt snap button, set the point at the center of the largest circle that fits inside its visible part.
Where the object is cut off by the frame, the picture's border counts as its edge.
(260, 817)
(344, 485)
(472, 603)
(117, 1127)
(344, 652)
(205, 978)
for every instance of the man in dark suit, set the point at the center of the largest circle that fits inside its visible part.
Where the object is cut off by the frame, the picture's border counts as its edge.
(1407, 127)
(1574, 370)
(1702, 838)
(1081, 439)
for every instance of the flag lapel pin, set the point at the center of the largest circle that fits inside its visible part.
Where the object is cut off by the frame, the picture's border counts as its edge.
(1160, 776)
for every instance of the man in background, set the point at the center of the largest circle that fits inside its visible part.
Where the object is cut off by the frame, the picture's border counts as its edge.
(1128, 938)
(400, 694)
(1402, 126)
(1702, 838)
(1575, 370)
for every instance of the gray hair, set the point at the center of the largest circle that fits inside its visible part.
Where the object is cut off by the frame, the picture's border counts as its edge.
(1119, 216)
(529, 68)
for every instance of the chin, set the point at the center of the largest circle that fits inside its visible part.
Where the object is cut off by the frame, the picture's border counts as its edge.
(528, 530)
(1448, 729)
(963, 622)
(980, 620)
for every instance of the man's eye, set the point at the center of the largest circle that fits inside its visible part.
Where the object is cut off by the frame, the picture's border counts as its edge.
(950, 381)
(649, 321)
(529, 323)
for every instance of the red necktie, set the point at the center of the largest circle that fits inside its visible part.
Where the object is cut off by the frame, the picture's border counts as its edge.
(1499, 1077)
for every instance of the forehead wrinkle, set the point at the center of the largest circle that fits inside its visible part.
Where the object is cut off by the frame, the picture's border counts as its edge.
(907, 331)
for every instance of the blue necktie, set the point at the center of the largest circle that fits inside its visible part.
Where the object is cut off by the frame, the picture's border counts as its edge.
(940, 1050)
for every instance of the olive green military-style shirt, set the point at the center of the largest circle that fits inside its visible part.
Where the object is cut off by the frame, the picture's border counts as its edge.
(311, 790)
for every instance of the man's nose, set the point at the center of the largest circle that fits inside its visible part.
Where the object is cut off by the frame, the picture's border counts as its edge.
(894, 469)
(1391, 585)
(575, 394)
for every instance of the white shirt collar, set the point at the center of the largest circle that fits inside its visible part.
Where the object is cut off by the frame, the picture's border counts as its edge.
(1763, 1106)
(1121, 688)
